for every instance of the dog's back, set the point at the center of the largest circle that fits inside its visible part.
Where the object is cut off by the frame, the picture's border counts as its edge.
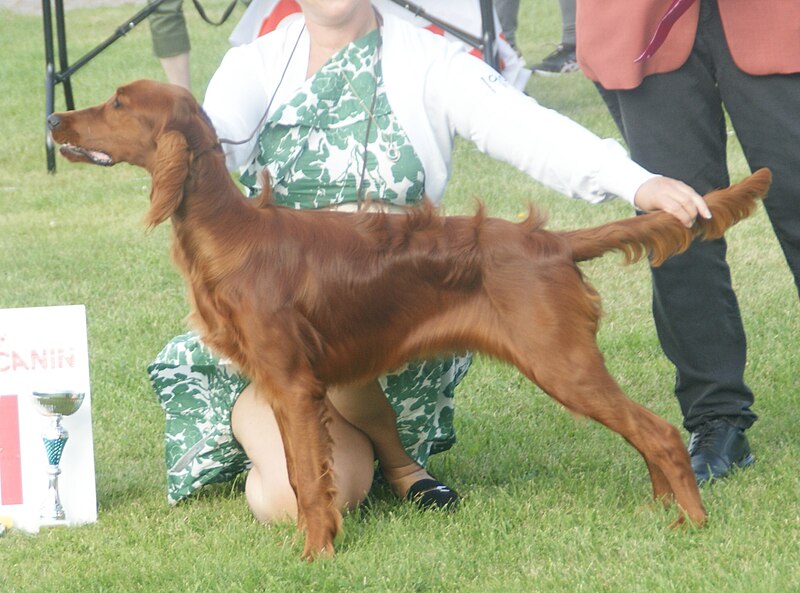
(424, 284)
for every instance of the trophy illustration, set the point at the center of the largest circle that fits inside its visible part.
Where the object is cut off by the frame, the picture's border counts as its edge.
(55, 405)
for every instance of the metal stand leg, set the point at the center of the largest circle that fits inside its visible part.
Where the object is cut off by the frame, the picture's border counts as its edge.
(53, 77)
(49, 81)
(63, 62)
(489, 33)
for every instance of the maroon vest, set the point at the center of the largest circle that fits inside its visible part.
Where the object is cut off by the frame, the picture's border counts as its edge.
(763, 36)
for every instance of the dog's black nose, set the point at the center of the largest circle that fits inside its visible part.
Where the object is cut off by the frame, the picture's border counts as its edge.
(53, 121)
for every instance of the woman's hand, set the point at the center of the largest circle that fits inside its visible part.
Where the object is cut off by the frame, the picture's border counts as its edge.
(672, 196)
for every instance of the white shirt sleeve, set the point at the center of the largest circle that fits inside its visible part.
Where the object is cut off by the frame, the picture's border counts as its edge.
(510, 126)
(252, 79)
(235, 101)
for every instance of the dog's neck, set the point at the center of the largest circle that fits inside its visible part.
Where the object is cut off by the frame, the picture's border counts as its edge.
(212, 205)
(196, 154)
(207, 167)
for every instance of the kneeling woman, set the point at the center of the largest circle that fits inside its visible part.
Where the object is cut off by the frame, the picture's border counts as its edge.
(340, 105)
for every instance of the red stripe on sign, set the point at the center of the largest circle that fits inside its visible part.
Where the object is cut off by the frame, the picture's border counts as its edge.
(10, 461)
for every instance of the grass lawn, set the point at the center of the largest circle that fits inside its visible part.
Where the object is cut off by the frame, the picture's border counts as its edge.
(550, 504)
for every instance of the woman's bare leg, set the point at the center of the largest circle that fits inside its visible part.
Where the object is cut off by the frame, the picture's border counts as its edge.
(366, 408)
(267, 489)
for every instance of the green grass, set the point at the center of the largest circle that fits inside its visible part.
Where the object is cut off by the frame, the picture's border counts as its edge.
(551, 504)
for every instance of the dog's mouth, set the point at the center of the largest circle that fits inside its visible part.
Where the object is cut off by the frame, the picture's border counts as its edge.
(78, 153)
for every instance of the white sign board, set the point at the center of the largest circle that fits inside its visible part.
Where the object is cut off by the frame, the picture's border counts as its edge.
(44, 349)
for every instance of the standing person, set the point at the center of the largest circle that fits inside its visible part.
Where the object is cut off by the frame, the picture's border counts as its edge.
(742, 58)
(562, 60)
(340, 104)
(171, 42)
(507, 13)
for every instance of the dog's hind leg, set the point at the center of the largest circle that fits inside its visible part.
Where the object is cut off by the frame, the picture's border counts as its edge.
(662, 491)
(570, 368)
(657, 441)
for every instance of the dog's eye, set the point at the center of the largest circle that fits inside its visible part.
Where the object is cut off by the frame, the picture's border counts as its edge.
(116, 104)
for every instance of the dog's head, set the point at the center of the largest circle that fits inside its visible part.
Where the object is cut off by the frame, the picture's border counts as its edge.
(128, 127)
(145, 123)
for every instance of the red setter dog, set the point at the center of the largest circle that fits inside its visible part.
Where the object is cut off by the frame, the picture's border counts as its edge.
(300, 300)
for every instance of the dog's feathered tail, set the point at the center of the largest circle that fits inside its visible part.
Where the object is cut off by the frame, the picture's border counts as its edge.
(660, 235)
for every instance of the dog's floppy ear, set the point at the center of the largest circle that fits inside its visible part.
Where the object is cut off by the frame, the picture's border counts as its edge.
(170, 169)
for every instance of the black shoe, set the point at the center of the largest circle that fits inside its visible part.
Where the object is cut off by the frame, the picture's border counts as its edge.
(432, 494)
(561, 61)
(717, 448)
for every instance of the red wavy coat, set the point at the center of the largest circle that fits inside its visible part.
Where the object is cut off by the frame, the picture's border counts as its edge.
(300, 300)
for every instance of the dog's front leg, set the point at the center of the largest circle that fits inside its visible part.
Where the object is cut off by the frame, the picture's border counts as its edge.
(302, 415)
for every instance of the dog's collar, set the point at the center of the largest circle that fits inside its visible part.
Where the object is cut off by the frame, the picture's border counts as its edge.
(215, 146)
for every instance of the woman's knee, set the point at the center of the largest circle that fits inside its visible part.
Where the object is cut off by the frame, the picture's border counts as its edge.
(274, 500)
(353, 463)
(268, 490)
(269, 502)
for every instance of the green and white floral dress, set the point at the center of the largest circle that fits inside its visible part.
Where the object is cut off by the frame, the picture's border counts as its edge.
(313, 147)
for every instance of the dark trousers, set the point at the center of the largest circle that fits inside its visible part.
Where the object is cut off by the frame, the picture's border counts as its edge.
(674, 125)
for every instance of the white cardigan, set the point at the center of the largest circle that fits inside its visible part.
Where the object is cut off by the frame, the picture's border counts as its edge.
(436, 90)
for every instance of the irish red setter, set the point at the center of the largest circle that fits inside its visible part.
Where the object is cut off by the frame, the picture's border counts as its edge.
(300, 300)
